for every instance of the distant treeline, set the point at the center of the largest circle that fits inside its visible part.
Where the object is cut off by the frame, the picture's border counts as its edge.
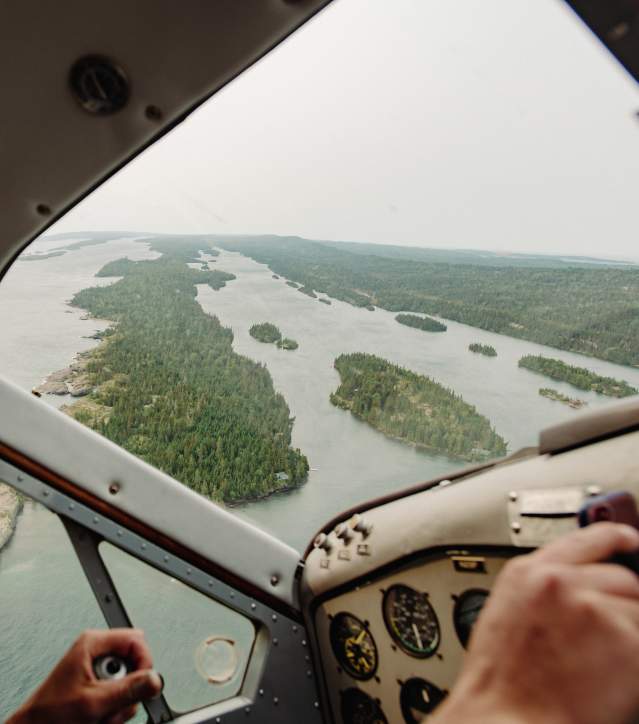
(587, 309)
(577, 376)
(428, 324)
(413, 408)
(171, 389)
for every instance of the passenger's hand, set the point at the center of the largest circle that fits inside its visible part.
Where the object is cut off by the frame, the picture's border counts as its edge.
(558, 640)
(73, 695)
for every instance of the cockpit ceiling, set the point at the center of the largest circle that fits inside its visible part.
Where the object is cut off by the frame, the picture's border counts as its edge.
(173, 56)
(53, 152)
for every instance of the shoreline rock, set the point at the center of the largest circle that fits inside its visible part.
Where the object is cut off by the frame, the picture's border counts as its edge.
(72, 380)
(10, 507)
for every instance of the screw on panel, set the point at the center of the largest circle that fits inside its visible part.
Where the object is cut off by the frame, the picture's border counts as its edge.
(166, 559)
(253, 605)
(309, 673)
(275, 579)
(303, 642)
(294, 629)
(261, 692)
(247, 709)
(20, 478)
(96, 520)
(143, 546)
(43, 209)
(275, 642)
(515, 527)
(114, 488)
(210, 584)
(316, 704)
(513, 495)
(45, 493)
(107, 598)
(593, 490)
(153, 113)
(276, 701)
(188, 571)
(274, 617)
(120, 534)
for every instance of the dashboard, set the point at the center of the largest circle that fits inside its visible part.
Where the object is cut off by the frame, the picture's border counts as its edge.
(391, 592)
(392, 645)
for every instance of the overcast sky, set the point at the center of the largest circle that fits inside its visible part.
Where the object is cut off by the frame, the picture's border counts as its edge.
(494, 124)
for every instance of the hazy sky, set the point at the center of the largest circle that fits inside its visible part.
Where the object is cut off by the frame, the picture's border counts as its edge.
(495, 124)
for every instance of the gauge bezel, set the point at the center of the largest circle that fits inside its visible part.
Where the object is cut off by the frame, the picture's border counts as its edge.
(459, 600)
(406, 648)
(433, 690)
(339, 653)
(354, 692)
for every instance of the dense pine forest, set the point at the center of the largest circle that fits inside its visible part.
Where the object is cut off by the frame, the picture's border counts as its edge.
(587, 308)
(265, 332)
(427, 324)
(486, 349)
(413, 408)
(578, 377)
(170, 388)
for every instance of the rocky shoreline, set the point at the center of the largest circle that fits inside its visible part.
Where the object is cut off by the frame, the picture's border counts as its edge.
(72, 380)
(10, 507)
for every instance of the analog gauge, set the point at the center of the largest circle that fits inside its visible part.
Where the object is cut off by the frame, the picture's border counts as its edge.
(467, 609)
(353, 646)
(359, 708)
(418, 698)
(411, 621)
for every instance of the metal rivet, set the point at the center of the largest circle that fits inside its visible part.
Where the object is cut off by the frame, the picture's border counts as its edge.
(120, 534)
(276, 701)
(274, 617)
(188, 571)
(515, 527)
(43, 209)
(253, 607)
(275, 642)
(114, 488)
(316, 704)
(45, 493)
(261, 692)
(166, 559)
(71, 506)
(20, 478)
(107, 598)
(303, 642)
(294, 629)
(275, 579)
(593, 490)
(513, 495)
(153, 113)
(247, 709)
(96, 520)
(309, 673)
(232, 594)
(143, 546)
(210, 584)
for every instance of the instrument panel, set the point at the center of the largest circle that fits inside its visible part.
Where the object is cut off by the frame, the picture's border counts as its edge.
(392, 645)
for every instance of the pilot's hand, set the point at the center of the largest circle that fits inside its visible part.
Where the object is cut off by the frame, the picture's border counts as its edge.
(558, 640)
(73, 695)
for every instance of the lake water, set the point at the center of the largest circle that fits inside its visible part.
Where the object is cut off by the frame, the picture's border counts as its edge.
(44, 599)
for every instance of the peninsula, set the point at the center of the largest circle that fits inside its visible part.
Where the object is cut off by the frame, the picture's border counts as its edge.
(166, 384)
(413, 408)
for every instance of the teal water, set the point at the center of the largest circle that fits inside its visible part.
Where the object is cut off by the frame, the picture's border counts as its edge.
(45, 601)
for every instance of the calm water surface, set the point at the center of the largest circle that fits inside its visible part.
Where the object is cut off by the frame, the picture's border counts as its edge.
(44, 599)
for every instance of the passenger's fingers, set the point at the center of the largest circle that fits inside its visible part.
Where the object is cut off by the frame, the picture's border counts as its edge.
(126, 642)
(113, 697)
(594, 543)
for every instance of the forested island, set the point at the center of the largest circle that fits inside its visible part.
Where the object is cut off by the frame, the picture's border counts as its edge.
(559, 397)
(427, 324)
(167, 385)
(413, 408)
(579, 377)
(486, 349)
(537, 303)
(265, 332)
(270, 334)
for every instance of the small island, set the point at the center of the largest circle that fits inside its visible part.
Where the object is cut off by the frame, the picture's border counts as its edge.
(308, 291)
(292, 284)
(265, 332)
(578, 377)
(559, 397)
(269, 334)
(413, 408)
(485, 349)
(427, 324)
(274, 276)
(324, 301)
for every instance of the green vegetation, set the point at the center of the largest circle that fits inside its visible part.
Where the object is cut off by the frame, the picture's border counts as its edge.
(485, 349)
(292, 284)
(428, 324)
(324, 301)
(169, 387)
(413, 408)
(576, 376)
(287, 343)
(587, 308)
(559, 397)
(265, 332)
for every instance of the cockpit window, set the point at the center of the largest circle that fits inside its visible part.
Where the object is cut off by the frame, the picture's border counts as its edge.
(401, 243)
